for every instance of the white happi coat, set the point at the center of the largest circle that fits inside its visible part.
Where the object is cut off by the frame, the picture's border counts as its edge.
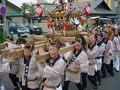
(92, 54)
(4, 68)
(14, 66)
(119, 39)
(108, 48)
(101, 50)
(34, 72)
(116, 47)
(53, 74)
(81, 60)
(10, 45)
(119, 45)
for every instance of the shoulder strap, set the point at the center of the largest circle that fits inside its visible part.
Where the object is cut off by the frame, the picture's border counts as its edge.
(73, 58)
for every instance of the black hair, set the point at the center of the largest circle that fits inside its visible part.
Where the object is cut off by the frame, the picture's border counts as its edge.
(20, 41)
(83, 41)
(10, 37)
(101, 35)
(56, 42)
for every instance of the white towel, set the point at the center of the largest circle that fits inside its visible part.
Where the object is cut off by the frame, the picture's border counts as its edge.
(76, 21)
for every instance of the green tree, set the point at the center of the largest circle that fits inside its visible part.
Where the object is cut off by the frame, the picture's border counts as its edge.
(25, 6)
(31, 8)
(28, 7)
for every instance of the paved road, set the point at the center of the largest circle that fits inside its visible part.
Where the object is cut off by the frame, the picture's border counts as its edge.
(109, 83)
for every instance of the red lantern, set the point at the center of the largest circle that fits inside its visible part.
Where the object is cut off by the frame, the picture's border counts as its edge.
(39, 10)
(87, 9)
(108, 20)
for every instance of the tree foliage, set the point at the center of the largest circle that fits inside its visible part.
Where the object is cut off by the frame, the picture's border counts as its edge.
(28, 7)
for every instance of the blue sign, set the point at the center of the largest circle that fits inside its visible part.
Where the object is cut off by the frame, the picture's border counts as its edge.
(3, 10)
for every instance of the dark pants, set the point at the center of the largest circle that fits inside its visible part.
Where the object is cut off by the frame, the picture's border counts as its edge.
(108, 67)
(66, 85)
(25, 88)
(92, 79)
(97, 76)
(103, 70)
(14, 79)
(84, 81)
(111, 65)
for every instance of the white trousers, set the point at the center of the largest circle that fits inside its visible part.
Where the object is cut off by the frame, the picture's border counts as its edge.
(116, 63)
(59, 88)
(2, 87)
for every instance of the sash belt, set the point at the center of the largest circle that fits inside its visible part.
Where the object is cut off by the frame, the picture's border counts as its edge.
(70, 71)
(52, 87)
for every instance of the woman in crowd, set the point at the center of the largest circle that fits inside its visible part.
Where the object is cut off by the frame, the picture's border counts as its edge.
(76, 62)
(108, 53)
(4, 68)
(116, 49)
(101, 46)
(53, 68)
(14, 67)
(92, 53)
(29, 70)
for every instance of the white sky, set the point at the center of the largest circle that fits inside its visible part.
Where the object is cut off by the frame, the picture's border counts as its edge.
(19, 2)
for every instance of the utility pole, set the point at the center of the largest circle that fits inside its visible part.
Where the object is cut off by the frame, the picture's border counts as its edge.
(4, 21)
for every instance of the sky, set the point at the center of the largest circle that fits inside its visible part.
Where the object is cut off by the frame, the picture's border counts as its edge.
(19, 2)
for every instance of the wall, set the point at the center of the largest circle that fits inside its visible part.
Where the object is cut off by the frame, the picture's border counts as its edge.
(17, 19)
(12, 10)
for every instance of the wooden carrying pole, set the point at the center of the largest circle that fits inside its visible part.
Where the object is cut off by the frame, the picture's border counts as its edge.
(3, 45)
(38, 45)
(63, 39)
(5, 52)
(19, 53)
(45, 56)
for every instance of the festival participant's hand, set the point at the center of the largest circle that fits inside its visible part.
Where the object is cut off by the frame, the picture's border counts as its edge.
(107, 54)
(10, 60)
(43, 62)
(77, 67)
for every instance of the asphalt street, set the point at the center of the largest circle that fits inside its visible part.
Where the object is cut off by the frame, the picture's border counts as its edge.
(109, 83)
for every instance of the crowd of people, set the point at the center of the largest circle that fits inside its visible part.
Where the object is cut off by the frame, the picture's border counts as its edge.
(89, 59)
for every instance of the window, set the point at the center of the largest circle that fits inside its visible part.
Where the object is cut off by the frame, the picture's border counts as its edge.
(12, 25)
(20, 25)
